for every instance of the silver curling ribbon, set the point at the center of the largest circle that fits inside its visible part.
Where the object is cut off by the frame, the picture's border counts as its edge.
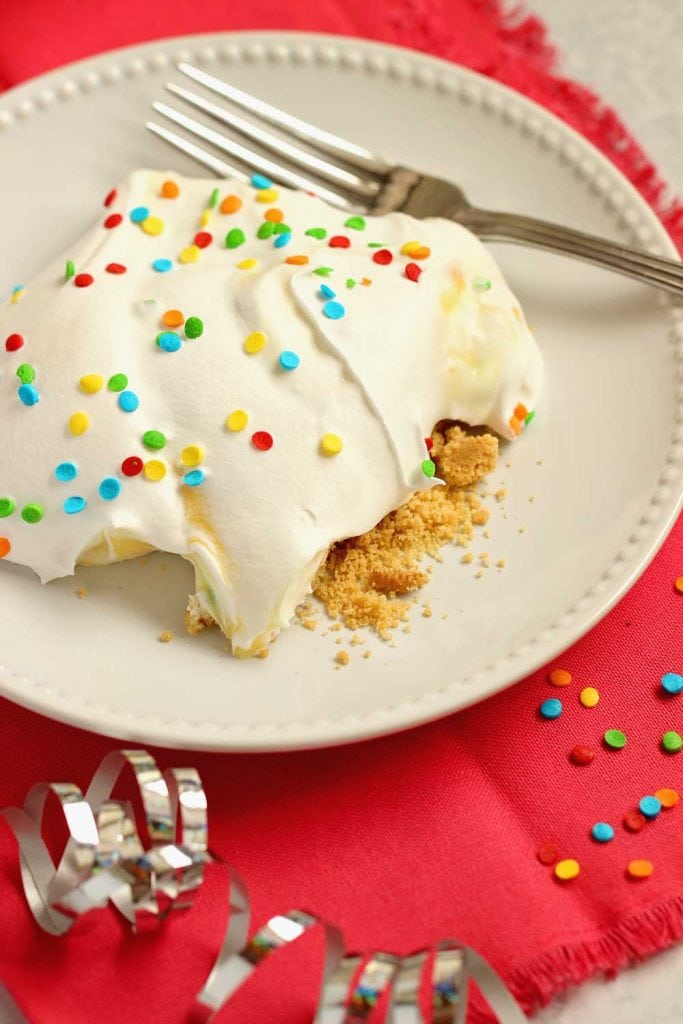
(149, 876)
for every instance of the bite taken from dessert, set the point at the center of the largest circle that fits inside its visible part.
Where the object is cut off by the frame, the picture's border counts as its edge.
(293, 399)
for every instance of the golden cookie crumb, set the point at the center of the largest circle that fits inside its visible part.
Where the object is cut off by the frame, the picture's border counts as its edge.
(501, 563)
(485, 559)
(342, 658)
(81, 593)
(165, 636)
(478, 574)
(467, 558)
(427, 611)
(262, 652)
(367, 654)
(501, 494)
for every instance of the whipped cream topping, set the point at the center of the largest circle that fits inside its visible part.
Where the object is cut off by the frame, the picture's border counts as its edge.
(290, 394)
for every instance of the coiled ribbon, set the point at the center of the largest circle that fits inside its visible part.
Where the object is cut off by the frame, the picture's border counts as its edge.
(106, 861)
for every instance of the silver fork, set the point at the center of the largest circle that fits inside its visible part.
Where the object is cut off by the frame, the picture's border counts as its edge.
(353, 178)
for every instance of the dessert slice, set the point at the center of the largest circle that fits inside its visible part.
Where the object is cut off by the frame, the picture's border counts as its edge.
(242, 375)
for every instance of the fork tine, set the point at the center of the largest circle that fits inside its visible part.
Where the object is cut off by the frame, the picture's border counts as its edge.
(218, 166)
(294, 154)
(247, 156)
(325, 141)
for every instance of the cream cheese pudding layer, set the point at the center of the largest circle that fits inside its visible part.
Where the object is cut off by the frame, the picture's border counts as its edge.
(242, 375)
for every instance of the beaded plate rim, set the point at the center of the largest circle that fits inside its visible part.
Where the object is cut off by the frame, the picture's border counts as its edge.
(628, 208)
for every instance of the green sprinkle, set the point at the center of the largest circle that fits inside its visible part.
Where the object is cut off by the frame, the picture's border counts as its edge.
(672, 742)
(528, 418)
(26, 374)
(194, 328)
(7, 507)
(357, 223)
(235, 238)
(615, 738)
(323, 271)
(214, 198)
(70, 270)
(154, 439)
(119, 382)
(317, 233)
(480, 284)
(266, 230)
(282, 229)
(376, 245)
(32, 513)
(350, 283)
(428, 468)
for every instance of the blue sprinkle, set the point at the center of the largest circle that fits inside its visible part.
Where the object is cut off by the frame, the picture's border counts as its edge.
(282, 240)
(74, 505)
(289, 360)
(650, 806)
(327, 291)
(672, 683)
(110, 488)
(602, 832)
(139, 214)
(260, 181)
(194, 477)
(17, 288)
(334, 310)
(169, 341)
(551, 708)
(28, 394)
(66, 471)
(128, 401)
(161, 266)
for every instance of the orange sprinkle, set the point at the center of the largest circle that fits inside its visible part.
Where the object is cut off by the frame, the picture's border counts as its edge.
(679, 584)
(515, 425)
(170, 190)
(521, 412)
(640, 868)
(366, 280)
(5, 547)
(421, 253)
(560, 677)
(667, 797)
(274, 215)
(231, 204)
(172, 318)
(298, 261)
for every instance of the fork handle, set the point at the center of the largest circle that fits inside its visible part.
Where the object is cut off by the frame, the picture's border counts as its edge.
(659, 271)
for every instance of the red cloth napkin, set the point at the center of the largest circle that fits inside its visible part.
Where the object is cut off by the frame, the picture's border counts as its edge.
(431, 833)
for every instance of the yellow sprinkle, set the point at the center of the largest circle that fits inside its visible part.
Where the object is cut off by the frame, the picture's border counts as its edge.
(155, 470)
(410, 247)
(16, 296)
(92, 383)
(247, 264)
(205, 218)
(79, 423)
(589, 697)
(267, 195)
(192, 455)
(190, 254)
(152, 225)
(254, 342)
(330, 444)
(565, 870)
(237, 420)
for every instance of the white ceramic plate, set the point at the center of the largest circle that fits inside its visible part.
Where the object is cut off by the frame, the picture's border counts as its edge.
(592, 487)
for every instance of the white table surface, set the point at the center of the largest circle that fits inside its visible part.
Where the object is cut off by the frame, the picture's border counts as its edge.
(631, 53)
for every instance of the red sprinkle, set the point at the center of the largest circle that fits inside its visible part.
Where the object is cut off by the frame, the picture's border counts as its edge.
(203, 239)
(113, 220)
(110, 198)
(429, 444)
(83, 280)
(339, 242)
(14, 343)
(115, 268)
(582, 755)
(132, 466)
(634, 820)
(262, 440)
(413, 271)
(382, 256)
(548, 853)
